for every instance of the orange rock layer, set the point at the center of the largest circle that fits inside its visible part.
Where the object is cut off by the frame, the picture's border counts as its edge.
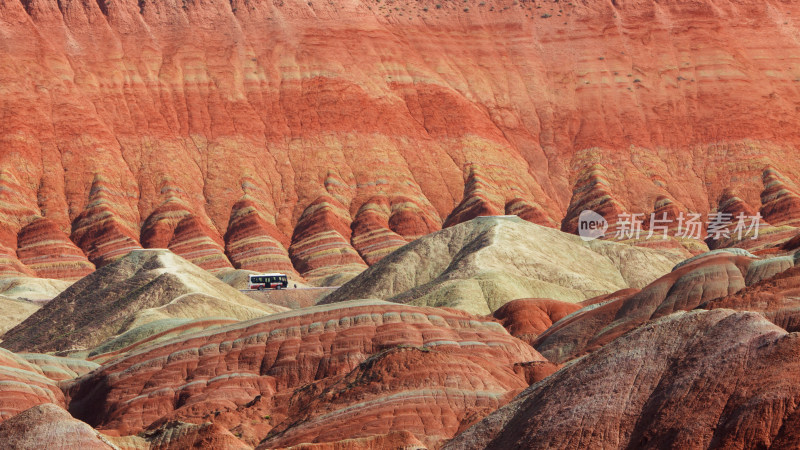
(495, 107)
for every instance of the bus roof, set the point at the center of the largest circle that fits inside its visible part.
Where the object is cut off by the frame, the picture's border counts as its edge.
(268, 274)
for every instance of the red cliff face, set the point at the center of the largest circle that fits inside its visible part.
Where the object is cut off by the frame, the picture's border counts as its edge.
(447, 111)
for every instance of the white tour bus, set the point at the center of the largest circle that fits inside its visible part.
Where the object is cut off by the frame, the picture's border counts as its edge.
(269, 281)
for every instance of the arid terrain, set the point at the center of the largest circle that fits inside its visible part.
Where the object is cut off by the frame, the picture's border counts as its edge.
(427, 175)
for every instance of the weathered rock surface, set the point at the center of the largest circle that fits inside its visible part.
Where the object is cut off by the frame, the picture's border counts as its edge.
(396, 439)
(373, 237)
(686, 380)
(142, 287)
(47, 250)
(780, 200)
(254, 243)
(107, 227)
(109, 107)
(51, 426)
(59, 368)
(774, 298)
(527, 318)
(14, 312)
(479, 265)
(32, 288)
(172, 225)
(321, 241)
(23, 385)
(691, 284)
(297, 372)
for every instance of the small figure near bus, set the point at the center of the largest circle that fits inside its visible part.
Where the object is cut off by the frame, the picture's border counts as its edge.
(269, 281)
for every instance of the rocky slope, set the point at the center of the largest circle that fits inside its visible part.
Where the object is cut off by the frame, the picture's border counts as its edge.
(481, 264)
(775, 298)
(53, 426)
(23, 385)
(527, 318)
(14, 312)
(143, 287)
(319, 374)
(685, 380)
(695, 283)
(121, 119)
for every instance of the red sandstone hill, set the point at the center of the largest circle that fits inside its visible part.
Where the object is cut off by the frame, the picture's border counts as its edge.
(703, 379)
(320, 374)
(318, 136)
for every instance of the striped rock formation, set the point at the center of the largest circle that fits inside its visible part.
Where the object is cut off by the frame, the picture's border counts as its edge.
(179, 435)
(527, 318)
(395, 439)
(16, 205)
(198, 243)
(23, 385)
(59, 368)
(254, 243)
(173, 226)
(527, 210)
(668, 227)
(151, 333)
(774, 298)
(271, 374)
(666, 214)
(691, 284)
(159, 227)
(10, 266)
(483, 197)
(780, 202)
(742, 216)
(104, 230)
(194, 97)
(46, 250)
(447, 392)
(142, 287)
(592, 191)
(411, 220)
(372, 236)
(321, 241)
(51, 425)
(685, 381)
